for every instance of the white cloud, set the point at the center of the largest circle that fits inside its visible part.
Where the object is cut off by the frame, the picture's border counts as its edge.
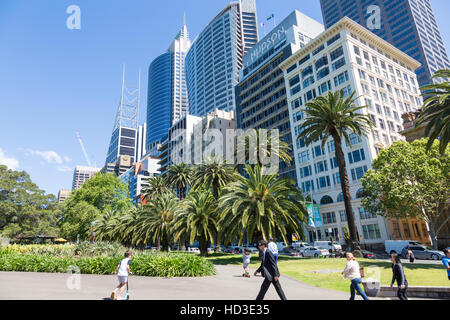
(11, 163)
(49, 156)
(64, 169)
(67, 159)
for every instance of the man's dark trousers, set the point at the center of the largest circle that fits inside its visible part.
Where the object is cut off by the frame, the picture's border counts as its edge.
(270, 270)
(265, 286)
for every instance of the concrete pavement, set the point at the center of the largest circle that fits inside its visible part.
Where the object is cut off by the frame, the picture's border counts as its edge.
(228, 284)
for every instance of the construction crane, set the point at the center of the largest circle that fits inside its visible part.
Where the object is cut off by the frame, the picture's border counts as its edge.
(84, 149)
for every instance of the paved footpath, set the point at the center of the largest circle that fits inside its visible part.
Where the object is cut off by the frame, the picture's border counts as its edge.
(228, 284)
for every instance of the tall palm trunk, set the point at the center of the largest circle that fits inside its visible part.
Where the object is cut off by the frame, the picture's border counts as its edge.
(345, 186)
(215, 187)
(158, 244)
(203, 248)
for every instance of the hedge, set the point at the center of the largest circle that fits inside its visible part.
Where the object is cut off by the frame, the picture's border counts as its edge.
(143, 264)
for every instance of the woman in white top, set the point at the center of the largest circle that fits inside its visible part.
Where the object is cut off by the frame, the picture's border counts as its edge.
(353, 273)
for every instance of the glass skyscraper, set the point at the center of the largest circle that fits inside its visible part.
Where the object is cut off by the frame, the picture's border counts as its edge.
(409, 25)
(167, 91)
(215, 58)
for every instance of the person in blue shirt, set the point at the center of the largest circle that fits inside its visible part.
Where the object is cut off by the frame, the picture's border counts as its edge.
(446, 260)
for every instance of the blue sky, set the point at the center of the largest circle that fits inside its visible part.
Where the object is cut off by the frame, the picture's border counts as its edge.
(55, 81)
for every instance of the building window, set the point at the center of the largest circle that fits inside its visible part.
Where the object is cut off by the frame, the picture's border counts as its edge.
(326, 200)
(371, 231)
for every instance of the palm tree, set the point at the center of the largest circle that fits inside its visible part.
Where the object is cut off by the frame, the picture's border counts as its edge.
(436, 111)
(155, 224)
(198, 218)
(262, 205)
(156, 186)
(336, 116)
(265, 147)
(214, 175)
(179, 177)
(102, 226)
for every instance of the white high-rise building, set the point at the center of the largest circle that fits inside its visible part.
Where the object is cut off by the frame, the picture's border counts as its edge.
(81, 175)
(348, 57)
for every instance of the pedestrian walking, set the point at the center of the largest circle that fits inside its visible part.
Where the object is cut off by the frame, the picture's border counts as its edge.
(246, 261)
(411, 255)
(398, 274)
(446, 261)
(122, 270)
(270, 272)
(353, 273)
(272, 246)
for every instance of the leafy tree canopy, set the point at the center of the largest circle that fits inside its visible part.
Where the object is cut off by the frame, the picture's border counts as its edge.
(406, 181)
(24, 208)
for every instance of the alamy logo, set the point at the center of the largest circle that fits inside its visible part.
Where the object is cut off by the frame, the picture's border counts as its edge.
(374, 18)
(74, 20)
(73, 282)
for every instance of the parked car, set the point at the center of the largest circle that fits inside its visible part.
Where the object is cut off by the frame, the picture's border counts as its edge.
(193, 250)
(422, 253)
(396, 246)
(331, 246)
(314, 252)
(300, 246)
(288, 251)
(252, 250)
(368, 254)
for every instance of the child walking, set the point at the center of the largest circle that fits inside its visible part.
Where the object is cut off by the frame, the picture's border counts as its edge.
(246, 259)
(123, 270)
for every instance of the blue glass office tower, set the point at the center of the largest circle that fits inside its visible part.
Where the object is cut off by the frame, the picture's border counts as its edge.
(215, 58)
(409, 25)
(167, 90)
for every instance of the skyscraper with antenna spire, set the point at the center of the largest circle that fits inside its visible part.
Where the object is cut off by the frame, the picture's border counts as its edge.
(124, 135)
(167, 92)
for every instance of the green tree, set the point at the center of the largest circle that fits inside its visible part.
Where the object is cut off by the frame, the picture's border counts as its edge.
(406, 181)
(101, 193)
(156, 187)
(214, 175)
(436, 111)
(260, 145)
(261, 205)
(24, 208)
(78, 221)
(197, 216)
(155, 223)
(336, 116)
(179, 177)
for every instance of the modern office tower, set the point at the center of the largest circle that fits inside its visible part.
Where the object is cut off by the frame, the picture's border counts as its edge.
(63, 194)
(215, 58)
(137, 177)
(214, 137)
(261, 93)
(348, 57)
(81, 175)
(141, 142)
(167, 91)
(180, 140)
(124, 136)
(409, 25)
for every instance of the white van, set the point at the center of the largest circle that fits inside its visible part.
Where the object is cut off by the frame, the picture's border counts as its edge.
(329, 245)
(396, 246)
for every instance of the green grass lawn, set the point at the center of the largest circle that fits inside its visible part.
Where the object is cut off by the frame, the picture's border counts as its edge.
(303, 270)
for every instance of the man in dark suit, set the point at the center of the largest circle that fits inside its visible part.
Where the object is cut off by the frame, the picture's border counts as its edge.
(269, 271)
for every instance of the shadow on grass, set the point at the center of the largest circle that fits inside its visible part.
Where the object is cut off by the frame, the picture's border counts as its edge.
(411, 266)
(236, 259)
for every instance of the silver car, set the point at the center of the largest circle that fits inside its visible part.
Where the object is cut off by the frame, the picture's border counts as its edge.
(314, 252)
(422, 253)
